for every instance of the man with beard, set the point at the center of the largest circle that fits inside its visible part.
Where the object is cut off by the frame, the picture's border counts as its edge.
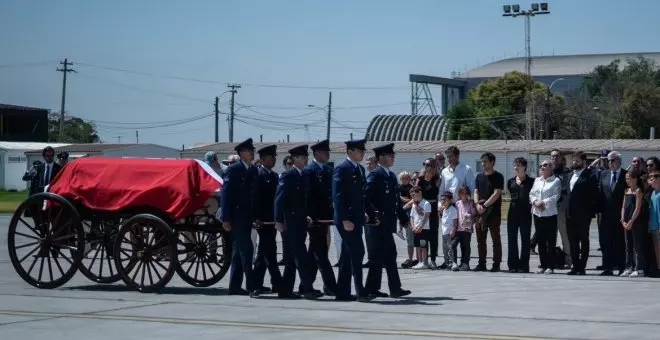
(384, 206)
(581, 204)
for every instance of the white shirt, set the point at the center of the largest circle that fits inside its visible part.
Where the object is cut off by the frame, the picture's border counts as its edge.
(453, 179)
(574, 178)
(449, 215)
(546, 190)
(416, 217)
(247, 166)
(352, 162)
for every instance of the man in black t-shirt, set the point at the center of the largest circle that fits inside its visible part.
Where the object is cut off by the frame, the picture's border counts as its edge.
(488, 198)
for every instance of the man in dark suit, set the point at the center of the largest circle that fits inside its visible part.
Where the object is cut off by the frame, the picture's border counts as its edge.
(291, 219)
(40, 175)
(582, 200)
(611, 191)
(239, 207)
(384, 206)
(348, 199)
(319, 206)
(267, 248)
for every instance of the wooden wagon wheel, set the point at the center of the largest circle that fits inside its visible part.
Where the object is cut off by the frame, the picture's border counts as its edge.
(98, 262)
(46, 229)
(143, 253)
(203, 257)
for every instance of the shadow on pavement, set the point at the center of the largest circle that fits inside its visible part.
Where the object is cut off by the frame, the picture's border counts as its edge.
(166, 290)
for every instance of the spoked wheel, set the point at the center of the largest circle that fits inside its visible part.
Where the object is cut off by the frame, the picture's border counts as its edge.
(98, 262)
(45, 240)
(145, 252)
(202, 257)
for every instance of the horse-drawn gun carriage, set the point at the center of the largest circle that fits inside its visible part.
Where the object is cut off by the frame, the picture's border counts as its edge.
(138, 220)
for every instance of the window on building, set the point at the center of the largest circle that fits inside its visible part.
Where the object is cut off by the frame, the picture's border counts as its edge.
(478, 168)
(11, 159)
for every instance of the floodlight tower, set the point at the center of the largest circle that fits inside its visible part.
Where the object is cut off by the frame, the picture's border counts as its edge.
(514, 11)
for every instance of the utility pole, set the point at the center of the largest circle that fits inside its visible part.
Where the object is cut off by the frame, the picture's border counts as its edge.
(137, 137)
(217, 113)
(65, 69)
(514, 11)
(329, 115)
(233, 91)
(118, 139)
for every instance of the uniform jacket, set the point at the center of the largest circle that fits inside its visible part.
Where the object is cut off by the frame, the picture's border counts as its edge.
(239, 202)
(291, 199)
(36, 180)
(583, 200)
(383, 197)
(320, 191)
(348, 193)
(268, 180)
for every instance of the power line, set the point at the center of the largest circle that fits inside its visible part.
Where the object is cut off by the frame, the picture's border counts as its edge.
(28, 64)
(183, 120)
(308, 87)
(156, 126)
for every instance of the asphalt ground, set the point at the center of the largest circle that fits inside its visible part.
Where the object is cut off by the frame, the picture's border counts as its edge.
(443, 305)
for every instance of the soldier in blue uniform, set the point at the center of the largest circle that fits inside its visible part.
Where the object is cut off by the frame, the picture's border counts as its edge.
(239, 206)
(267, 248)
(291, 219)
(384, 206)
(348, 198)
(320, 209)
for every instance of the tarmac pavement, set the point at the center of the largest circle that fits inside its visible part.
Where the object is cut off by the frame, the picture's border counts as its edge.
(444, 305)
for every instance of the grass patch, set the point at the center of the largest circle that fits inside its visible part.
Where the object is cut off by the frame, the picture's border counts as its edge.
(9, 201)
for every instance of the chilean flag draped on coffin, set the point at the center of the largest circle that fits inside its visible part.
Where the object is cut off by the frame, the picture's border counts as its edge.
(178, 187)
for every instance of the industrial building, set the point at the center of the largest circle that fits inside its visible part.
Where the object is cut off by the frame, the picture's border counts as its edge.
(23, 124)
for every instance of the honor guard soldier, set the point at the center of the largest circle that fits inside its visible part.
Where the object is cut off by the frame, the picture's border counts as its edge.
(238, 216)
(348, 198)
(291, 219)
(320, 211)
(384, 206)
(267, 248)
(63, 158)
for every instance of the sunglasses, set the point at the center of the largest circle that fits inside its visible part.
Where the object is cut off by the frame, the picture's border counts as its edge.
(544, 165)
(428, 165)
(650, 165)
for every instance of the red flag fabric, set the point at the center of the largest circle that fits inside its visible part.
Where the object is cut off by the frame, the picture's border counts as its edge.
(178, 187)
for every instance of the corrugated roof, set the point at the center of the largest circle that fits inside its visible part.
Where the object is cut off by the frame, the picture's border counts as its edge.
(537, 146)
(406, 128)
(28, 145)
(18, 107)
(560, 65)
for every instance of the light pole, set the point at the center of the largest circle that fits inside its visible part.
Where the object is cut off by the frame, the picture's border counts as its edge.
(545, 128)
(514, 11)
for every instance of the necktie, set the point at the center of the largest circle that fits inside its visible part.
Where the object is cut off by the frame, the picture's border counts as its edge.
(613, 184)
(47, 177)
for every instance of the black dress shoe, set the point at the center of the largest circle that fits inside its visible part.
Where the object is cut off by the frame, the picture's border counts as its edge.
(288, 296)
(255, 293)
(264, 290)
(495, 269)
(239, 292)
(523, 270)
(513, 270)
(480, 268)
(345, 298)
(572, 272)
(400, 293)
(600, 267)
(328, 292)
(581, 272)
(607, 273)
(313, 295)
(379, 294)
(365, 298)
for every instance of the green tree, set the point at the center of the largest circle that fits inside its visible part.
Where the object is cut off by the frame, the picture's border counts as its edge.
(75, 130)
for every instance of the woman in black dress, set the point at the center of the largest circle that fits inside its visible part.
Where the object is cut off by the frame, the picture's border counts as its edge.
(519, 217)
(429, 181)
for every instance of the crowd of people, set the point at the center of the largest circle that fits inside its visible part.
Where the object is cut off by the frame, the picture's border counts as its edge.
(441, 205)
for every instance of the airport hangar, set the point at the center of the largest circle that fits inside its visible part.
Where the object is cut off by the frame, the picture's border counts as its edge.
(425, 121)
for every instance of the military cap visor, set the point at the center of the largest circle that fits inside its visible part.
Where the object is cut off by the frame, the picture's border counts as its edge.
(358, 144)
(299, 151)
(321, 146)
(387, 149)
(270, 150)
(245, 145)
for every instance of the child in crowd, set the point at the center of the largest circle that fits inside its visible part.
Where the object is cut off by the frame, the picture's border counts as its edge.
(419, 222)
(466, 214)
(449, 228)
(634, 221)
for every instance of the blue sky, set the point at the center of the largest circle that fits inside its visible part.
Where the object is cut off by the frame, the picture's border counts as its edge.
(337, 43)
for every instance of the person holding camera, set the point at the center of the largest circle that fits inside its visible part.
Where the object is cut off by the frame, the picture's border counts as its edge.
(41, 174)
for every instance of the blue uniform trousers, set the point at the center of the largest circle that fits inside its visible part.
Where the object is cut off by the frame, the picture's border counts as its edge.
(241, 257)
(295, 257)
(267, 258)
(383, 256)
(318, 257)
(350, 262)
